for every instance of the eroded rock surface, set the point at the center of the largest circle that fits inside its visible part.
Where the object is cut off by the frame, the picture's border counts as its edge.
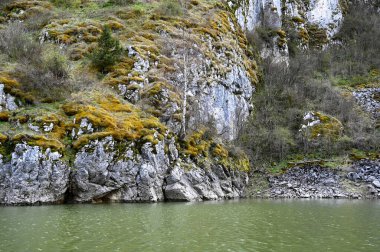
(360, 180)
(369, 99)
(110, 171)
(106, 170)
(33, 176)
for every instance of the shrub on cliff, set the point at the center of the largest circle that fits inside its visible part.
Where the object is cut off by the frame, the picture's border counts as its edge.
(18, 44)
(107, 53)
(170, 8)
(40, 71)
(273, 132)
(46, 77)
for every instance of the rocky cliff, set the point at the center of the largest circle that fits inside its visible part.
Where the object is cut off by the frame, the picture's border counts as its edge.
(303, 24)
(155, 128)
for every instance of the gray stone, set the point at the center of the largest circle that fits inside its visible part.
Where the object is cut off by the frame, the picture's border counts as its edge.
(376, 183)
(33, 177)
(145, 176)
(7, 101)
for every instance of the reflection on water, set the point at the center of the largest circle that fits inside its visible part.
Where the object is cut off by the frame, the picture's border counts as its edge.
(245, 225)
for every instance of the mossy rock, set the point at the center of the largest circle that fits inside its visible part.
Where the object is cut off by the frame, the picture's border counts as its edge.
(112, 117)
(38, 140)
(325, 126)
(25, 9)
(298, 20)
(4, 116)
(3, 138)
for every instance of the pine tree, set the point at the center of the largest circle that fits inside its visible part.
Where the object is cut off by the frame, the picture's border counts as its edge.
(108, 51)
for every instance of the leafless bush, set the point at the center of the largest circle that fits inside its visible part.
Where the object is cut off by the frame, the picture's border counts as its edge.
(4, 3)
(272, 132)
(122, 2)
(47, 78)
(18, 44)
(37, 22)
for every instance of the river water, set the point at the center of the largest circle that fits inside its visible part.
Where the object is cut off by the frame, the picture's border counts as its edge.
(244, 225)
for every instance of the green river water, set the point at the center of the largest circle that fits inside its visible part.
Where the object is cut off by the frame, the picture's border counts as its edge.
(244, 225)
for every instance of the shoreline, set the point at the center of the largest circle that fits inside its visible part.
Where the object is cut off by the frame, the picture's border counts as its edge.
(361, 180)
(356, 182)
(195, 202)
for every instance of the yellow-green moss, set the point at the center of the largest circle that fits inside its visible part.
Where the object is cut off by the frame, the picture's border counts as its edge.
(298, 20)
(329, 127)
(110, 117)
(4, 116)
(3, 138)
(115, 25)
(70, 31)
(111, 103)
(38, 140)
(30, 8)
(8, 81)
(317, 36)
(281, 33)
(220, 151)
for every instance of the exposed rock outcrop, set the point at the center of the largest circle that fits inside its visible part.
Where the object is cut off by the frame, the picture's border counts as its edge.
(113, 171)
(360, 180)
(327, 14)
(314, 22)
(107, 170)
(33, 176)
(7, 101)
(369, 99)
(309, 182)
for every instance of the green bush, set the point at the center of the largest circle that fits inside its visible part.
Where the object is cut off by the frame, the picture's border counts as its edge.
(107, 53)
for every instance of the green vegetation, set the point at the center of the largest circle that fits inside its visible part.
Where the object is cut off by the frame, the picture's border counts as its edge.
(313, 82)
(108, 51)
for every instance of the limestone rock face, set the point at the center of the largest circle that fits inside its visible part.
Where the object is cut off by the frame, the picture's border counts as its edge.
(110, 171)
(305, 18)
(225, 104)
(103, 171)
(33, 176)
(198, 184)
(7, 101)
(327, 14)
(253, 13)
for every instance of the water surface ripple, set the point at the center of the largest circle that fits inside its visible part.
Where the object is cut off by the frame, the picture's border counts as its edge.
(245, 225)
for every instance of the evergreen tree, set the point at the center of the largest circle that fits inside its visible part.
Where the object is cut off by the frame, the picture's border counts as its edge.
(108, 51)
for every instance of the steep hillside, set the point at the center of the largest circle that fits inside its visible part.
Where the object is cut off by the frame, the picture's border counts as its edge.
(147, 128)
(321, 105)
